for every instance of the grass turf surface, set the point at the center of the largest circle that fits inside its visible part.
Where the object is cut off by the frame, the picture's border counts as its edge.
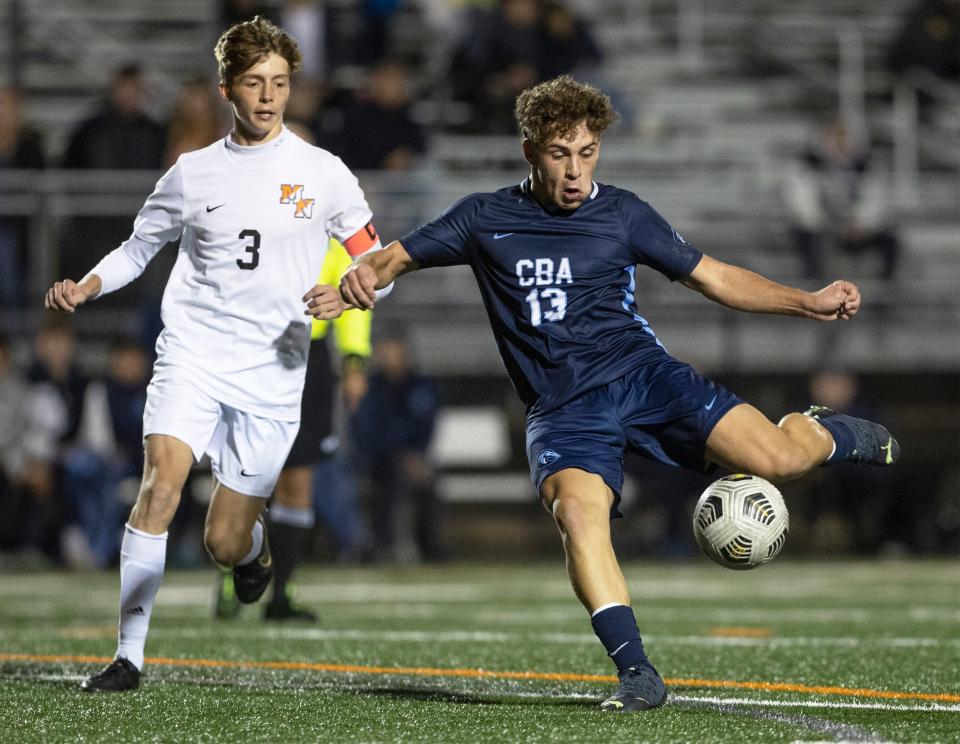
(865, 651)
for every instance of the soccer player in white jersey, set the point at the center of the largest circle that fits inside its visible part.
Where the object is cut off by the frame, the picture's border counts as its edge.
(254, 213)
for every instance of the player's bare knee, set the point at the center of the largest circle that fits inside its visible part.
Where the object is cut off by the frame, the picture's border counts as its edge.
(795, 419)
(222, 545)
(577, 515)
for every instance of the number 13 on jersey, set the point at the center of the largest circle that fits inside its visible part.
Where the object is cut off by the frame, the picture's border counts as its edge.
(556, 309)
(548, 304)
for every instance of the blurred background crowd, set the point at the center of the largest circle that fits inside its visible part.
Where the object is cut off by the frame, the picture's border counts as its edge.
(808, 140)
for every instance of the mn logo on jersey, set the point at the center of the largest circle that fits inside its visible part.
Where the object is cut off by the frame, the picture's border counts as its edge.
(293, 194)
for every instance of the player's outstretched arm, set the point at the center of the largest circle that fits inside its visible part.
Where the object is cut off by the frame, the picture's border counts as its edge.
(745, 290)
(373, 271)
(67, 296)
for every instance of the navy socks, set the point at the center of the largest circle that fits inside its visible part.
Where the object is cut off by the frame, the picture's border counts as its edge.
(616, 627)
(842, 438)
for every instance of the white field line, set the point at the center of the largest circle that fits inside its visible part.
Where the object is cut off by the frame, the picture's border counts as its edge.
(390, 598)
(479, 636)
(941, 707)
(545, 615)
(157, 676)
(748, 588)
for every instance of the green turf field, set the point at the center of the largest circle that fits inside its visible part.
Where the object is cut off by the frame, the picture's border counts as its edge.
(866, 651)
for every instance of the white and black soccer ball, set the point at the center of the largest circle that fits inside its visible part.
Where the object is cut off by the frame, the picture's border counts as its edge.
(741, 521)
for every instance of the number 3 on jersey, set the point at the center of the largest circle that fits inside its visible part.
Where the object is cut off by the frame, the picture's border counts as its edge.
(252, 248)
(556, 310)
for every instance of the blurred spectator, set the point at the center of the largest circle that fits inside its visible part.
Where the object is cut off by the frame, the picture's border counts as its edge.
(835, 199)
(121, 135)
(21, 147)
(55, 367)
(374, 130)
(305, 21)
(101, 470)
(14, 420)
(303, 107)
(500, 56)
(568, 45)
(393, 427)
(929, 38)
(374, 40)
(198, 119)
(55, 404)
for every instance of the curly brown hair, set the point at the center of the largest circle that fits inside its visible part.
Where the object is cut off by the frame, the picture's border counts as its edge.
(245, 44)
(556, 107)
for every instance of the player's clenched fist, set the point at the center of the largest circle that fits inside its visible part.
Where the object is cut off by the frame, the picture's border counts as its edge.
(358, 286)
(839, 300)
(324, 302)
(65, 296)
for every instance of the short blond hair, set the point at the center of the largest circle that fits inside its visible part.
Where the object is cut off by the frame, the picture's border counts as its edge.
(245, 44)
(556, 108)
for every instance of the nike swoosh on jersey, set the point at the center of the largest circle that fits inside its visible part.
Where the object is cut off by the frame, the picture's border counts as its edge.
(498, 236)
(211, 209)
(709, 405)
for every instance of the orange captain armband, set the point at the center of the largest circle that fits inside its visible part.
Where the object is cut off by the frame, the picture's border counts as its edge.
(362, 240)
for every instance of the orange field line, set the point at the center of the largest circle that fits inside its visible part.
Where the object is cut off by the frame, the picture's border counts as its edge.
(489, 674)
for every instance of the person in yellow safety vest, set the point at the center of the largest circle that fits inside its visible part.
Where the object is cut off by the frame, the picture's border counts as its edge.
(291, 514)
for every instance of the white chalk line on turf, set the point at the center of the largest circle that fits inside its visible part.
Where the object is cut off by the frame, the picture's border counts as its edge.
(913, 707)
(560, 695)
(376, 590)
(545, 612)
(479, 636)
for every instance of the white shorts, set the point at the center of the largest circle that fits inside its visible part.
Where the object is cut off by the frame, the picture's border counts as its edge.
(246, 452)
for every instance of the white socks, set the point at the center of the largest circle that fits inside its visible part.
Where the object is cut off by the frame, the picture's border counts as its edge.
(257, 544)
(142, 557)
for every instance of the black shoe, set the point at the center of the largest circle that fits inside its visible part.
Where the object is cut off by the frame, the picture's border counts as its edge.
(284, 609)
(640, 689)
(872, 443)
(117, 676)
(226, 606)
(251, 579)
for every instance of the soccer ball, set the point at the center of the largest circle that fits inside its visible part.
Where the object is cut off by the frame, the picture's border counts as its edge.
(741, 521)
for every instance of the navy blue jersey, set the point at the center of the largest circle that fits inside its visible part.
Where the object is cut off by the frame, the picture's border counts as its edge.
(559, 286)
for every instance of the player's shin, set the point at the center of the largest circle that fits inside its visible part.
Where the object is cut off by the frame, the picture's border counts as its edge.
(142, 559)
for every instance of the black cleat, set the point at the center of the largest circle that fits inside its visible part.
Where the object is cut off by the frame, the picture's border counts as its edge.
(284, 609)
(117, 676)
(872, 443)
(640, 689)
(251, 579)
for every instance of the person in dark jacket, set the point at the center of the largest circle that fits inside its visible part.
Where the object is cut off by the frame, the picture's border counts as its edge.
(394, 427)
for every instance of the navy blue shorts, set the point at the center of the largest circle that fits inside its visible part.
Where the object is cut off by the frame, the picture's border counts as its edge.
(663, 412)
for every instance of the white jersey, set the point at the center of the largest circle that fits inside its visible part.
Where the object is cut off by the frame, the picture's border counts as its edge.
(254, 224)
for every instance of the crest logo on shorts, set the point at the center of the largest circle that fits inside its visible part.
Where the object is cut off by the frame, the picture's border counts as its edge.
(293, 194)
(678, 237)
(547, 457)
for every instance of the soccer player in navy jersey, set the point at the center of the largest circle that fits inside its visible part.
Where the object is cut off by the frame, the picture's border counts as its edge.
(555, 259)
